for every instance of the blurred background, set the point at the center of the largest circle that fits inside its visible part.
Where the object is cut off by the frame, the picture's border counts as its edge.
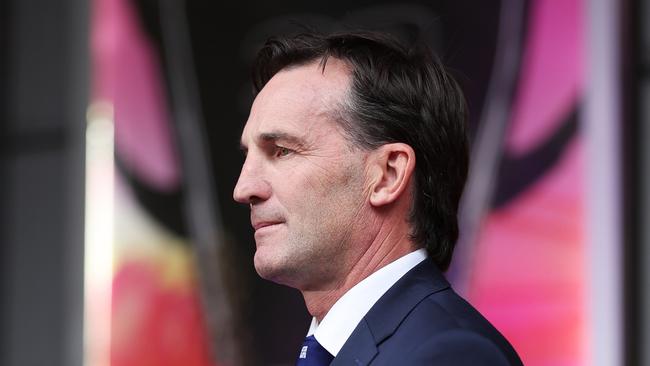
(119, 130)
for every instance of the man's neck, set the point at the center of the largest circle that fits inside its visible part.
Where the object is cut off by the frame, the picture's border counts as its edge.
(385, 248)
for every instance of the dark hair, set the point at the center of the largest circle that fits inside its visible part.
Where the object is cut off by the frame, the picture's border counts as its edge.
(398, 94)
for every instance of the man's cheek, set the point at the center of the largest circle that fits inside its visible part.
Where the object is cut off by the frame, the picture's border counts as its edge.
(308, 182)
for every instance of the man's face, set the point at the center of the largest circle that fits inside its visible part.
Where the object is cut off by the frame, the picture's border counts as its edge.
(302, 178)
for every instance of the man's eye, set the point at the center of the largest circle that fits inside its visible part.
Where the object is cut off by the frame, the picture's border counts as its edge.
(282, 151)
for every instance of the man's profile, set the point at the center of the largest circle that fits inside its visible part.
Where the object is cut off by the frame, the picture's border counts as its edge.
(356, 158)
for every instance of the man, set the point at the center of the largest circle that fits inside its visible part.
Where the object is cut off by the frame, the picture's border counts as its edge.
(356, 157)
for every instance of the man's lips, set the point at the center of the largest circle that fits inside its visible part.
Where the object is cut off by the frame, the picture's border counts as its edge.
(263, 224)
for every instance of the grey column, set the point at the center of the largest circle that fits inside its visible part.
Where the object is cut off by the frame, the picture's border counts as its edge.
(602, 126)
(45, 64)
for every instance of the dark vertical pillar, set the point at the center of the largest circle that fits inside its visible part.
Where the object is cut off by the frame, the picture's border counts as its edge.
(635, 189)
(44, 70)
(643, 122)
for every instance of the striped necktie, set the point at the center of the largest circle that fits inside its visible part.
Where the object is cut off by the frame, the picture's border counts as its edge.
(313, 354)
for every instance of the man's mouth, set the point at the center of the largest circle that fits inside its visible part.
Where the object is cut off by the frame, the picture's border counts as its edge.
(264, 224)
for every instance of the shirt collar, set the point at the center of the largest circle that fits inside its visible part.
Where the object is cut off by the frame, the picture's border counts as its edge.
(344, 316)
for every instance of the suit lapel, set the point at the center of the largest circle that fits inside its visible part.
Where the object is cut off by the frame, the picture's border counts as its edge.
(388, 312)
(359, 349)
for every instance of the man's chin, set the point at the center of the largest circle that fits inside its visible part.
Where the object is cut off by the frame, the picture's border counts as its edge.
(274, 271)
(266, 268)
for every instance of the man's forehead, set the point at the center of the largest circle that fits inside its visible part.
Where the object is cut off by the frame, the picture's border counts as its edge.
(313, 85)
(278, 127)
(297, 101)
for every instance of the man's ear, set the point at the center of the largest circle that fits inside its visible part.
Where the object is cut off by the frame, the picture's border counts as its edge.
(394, 165)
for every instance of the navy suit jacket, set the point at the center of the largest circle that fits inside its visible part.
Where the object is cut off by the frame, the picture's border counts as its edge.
(422, 321)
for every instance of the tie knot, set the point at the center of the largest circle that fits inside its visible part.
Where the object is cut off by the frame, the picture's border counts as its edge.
(313, 354)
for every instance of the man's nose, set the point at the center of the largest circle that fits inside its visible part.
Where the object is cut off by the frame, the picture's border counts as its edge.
(251, 186)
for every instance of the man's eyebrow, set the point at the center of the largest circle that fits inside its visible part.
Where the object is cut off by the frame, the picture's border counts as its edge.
(279, 136)
(271, 137)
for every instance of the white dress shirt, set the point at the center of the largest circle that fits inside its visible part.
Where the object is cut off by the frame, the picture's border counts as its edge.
(344, 316)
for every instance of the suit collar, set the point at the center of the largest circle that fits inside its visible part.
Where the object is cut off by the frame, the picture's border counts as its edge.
(359, 349)
(386, 315)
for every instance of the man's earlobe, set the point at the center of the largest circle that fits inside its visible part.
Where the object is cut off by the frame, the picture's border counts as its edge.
(395, 163)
